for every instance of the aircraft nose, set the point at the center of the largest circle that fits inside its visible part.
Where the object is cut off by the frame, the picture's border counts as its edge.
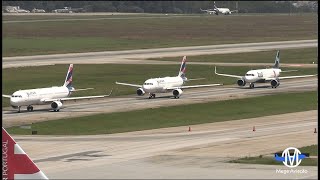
(145, 87)
(248, 78)
(13, 101)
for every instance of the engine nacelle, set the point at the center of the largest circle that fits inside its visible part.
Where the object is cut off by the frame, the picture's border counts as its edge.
(140, 92)
(56, 105)
(275, 83)
(241, 82)
(177, 92)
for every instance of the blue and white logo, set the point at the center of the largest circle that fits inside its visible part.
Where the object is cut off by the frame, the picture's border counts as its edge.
(291, 157)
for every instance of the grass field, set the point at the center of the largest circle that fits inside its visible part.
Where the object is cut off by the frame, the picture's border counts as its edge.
(119, 34)
(269, 160)
(102, 77)
(304, 55)
(176, 116)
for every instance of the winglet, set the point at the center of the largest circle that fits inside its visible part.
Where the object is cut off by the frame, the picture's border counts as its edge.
(215, 69)
(16, 164)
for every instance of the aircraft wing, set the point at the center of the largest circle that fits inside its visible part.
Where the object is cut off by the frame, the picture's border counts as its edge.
(207, 10)
(227, 75)
(289, 71)
(76, 98)
(292, 77)
(6, 96)
(194, 86)
(127, 84)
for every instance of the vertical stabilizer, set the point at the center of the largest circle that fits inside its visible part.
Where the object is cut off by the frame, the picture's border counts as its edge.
(16, 164)
(183, 67)
(68, 80)
(277, 61)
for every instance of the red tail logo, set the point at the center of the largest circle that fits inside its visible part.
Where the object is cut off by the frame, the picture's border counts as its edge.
(16, 164)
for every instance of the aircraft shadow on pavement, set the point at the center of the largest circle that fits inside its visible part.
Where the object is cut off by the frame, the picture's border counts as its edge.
(13, 111)
(157, 97)
(256, 87)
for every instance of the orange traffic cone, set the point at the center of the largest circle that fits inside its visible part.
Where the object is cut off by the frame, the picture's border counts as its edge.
(315, 130)
(254, 128)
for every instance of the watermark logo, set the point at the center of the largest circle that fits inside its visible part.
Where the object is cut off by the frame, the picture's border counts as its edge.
(290, 157)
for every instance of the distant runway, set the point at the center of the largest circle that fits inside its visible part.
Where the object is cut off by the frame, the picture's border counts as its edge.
(139, 56)
(171, 153)
(134, 102)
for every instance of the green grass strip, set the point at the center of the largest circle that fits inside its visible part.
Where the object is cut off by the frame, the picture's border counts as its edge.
(176, 115)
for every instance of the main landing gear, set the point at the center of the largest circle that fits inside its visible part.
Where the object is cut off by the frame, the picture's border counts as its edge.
(151, 95)
(29, 108)
(176, 97)
(251, 85)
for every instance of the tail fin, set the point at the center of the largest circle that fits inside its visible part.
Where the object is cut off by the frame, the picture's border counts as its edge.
(183, 67)
(277, 61)
(16, 164)
(214, 5)
(68, 80)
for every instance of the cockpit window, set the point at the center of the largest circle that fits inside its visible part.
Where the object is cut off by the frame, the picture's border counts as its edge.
(249, 74)
(17, 96)
(148, 83)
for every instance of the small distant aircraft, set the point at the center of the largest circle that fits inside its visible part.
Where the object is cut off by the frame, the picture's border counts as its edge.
(167, 84)
(16, 164)
(54, 95)
(217, 11)
(263, 75)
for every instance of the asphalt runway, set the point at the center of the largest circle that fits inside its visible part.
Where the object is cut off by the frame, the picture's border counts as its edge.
(134, 102)
(171, 153)
(139, 56)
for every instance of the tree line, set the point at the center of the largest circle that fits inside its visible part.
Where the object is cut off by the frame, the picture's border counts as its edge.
(185, 7)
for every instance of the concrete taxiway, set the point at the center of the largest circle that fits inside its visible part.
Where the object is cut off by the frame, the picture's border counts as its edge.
(171, 153)
(139, 56)
(134, 102)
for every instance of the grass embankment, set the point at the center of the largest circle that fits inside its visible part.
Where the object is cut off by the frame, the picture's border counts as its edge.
(304, 55)
(269, 160)
(137, 33)
(102, 77)
(176, 116)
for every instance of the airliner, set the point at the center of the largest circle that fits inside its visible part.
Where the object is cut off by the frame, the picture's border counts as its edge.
(16, 164)
(216, 10)
(167, 84)
(55, 95)
(271, 75)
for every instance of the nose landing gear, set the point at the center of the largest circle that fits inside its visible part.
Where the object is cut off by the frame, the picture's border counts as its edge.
(151, 95)
(29, 108)
(251, 85)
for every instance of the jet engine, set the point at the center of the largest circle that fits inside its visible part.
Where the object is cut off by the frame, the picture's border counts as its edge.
(177, 93)
(275, 83)
(140, 92)
(56, 105)
(241, 82)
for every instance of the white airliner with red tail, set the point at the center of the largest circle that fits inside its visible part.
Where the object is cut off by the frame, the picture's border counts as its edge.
(16, 164)
(53, 95)
(167, 84)
(271, 75)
